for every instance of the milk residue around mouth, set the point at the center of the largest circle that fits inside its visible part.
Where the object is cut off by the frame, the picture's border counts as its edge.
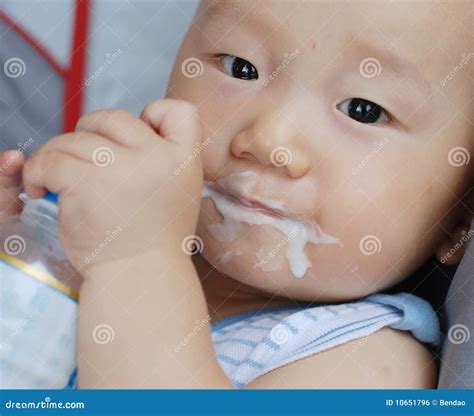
(297, 233)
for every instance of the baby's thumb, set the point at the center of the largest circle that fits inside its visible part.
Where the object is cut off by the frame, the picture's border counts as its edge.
(11, 164)
(174, 120)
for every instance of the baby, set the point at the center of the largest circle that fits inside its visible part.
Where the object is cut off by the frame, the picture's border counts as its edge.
(306, 152)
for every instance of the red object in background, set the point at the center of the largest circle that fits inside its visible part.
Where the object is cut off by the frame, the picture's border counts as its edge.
(50, 59)
(74, 90)
(74, 75)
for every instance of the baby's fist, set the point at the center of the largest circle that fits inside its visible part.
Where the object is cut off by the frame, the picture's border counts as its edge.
(126, 185)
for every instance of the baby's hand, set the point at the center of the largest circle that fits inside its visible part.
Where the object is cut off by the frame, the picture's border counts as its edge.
(121, 192)
(11, 164)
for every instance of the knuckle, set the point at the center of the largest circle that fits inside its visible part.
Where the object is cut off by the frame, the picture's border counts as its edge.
(116, 113)
(187, 108)
(100, 119)
(150, 107)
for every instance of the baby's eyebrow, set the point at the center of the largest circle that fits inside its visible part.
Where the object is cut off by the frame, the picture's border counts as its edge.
(222, 14)
(224, 8)
(395, 63)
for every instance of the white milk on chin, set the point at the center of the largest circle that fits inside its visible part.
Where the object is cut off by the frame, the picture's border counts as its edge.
(297, 233)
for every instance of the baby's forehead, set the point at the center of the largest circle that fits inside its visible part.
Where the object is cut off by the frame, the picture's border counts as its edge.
(431, 35)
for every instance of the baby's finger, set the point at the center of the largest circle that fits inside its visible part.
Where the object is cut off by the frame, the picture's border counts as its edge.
(54, 170)
(10, 203)
(88, 147)
(11, 163)
(174, 120)
(118, 125)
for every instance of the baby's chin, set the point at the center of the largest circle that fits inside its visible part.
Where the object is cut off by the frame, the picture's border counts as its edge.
(251, 259)
(254, 258)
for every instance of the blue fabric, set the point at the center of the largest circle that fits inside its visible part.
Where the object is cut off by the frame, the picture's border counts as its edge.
(418, 316)
(253, 343)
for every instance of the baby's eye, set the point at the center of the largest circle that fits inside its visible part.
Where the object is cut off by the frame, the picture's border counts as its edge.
(363, 111)
(239, 68)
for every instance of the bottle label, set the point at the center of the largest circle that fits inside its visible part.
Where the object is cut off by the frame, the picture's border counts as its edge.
(38, 323)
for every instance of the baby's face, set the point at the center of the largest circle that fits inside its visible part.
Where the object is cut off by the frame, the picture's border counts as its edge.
(337, 145)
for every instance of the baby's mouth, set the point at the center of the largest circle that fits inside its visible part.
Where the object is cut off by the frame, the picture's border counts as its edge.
(233, 202)
(253, 204)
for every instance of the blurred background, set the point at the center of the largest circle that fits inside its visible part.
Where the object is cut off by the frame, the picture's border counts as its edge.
(62, 58)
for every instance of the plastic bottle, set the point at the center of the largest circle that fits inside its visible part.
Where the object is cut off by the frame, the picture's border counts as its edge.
(39, 300)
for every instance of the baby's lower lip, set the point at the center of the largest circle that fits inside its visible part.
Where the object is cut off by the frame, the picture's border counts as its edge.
(255, 206)
(252, 206)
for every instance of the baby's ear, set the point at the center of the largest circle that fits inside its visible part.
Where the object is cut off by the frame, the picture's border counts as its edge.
(452, 248)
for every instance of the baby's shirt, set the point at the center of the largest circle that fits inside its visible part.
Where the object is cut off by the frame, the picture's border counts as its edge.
(251, 344)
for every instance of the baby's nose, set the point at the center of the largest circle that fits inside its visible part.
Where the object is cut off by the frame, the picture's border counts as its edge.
(273, 140)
